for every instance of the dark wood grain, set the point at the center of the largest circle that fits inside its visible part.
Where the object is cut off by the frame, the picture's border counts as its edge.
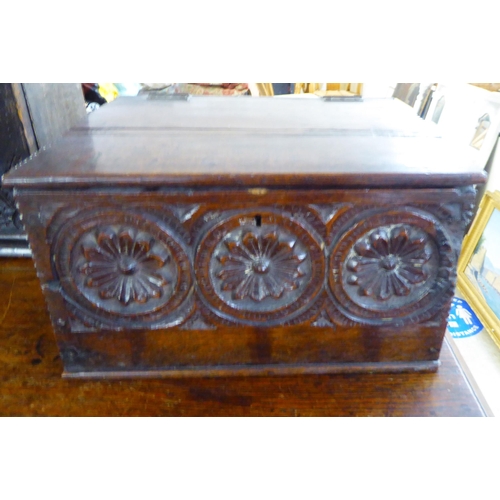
(102, 328)
(13, 148)
(54, 108)
(370, 116)
(253, 143)
(31, 116)
(31, 383)
(203, 236)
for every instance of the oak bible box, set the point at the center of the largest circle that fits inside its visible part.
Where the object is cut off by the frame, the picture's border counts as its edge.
(216, 236)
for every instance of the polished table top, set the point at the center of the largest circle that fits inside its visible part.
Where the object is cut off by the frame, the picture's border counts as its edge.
(31, 383)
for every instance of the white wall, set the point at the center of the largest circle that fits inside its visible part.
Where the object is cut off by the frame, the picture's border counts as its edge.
(372, 89)
(493, 183)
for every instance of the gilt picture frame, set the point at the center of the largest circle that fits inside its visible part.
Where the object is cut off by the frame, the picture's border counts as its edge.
(479, 265)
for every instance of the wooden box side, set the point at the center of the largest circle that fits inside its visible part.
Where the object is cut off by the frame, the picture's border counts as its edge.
(175, 282)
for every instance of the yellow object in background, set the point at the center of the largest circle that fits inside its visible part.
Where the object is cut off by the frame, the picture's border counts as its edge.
(108, 91)
(325, 88)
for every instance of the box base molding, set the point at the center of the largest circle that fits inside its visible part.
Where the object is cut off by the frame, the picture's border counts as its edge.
(262, 370)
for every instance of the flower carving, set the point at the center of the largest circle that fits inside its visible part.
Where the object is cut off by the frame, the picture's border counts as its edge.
(388, 262)
(260, 266)
(124, 266)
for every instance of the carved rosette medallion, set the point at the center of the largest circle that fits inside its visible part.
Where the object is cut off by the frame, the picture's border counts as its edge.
(122, 266)
(389, 262)
(257, 269)
(257, 265)
(393, 267)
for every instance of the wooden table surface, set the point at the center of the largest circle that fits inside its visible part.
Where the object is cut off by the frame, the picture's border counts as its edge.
(31, 384)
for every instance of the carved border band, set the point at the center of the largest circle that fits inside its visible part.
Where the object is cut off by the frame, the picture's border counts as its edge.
(158, 267)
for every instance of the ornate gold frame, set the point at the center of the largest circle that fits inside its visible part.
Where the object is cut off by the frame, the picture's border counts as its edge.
(490, 320)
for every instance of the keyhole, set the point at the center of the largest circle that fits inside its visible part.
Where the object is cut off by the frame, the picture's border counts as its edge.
(258, 220)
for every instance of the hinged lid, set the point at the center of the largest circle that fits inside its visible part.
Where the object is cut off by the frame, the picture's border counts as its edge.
(251, 142)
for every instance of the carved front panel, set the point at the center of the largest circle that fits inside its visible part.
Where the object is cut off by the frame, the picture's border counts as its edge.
(197, 266)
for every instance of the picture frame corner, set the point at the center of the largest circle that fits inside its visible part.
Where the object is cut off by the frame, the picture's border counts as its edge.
(471, 291)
